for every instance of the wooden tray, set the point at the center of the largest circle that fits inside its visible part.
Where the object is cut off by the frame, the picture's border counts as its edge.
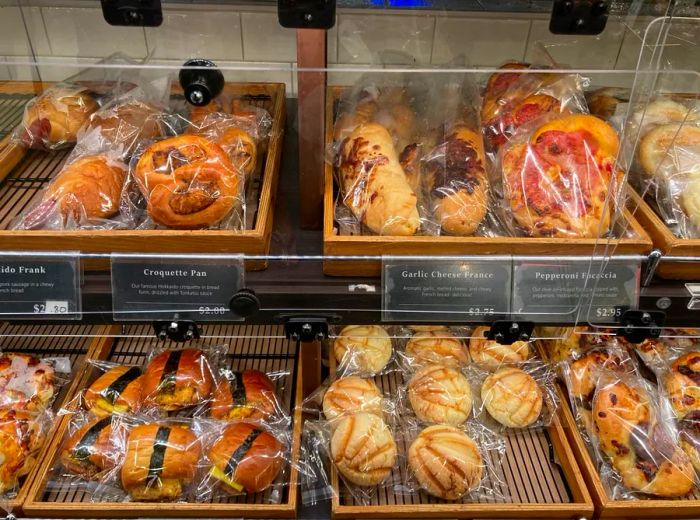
(539, 473)
(258, 347)
(688, 507)
(669, 244)
(25, 173)
(72, 341)
(356, 245)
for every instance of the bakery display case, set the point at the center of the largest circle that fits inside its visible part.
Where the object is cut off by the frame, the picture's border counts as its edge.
(365, 260)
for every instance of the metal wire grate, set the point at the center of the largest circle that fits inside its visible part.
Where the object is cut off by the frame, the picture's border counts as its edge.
(528, 474)
(254, 347)
(11, 109)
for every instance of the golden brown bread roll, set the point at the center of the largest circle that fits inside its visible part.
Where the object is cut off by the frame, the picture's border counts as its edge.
(497, 86)
(670, 146)
(91, 450)
(20, 439)
(366, 348)
(52, 119)
(492, 354)
(126, 123)
(512, 397)
(160, 461)
(446, 462)
(176, 379)
(603, 102)
(188, 182)
(440, 395)
(89, 188)
(690, 200)
(244, 395)
(456, 180)
(246, 458)
(437, 347)
(117, 390)
(374, 184)
(363, 449)
(352, 394)
(557, 183)
(626, 428)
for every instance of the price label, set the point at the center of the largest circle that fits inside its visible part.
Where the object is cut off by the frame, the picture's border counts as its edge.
(561, 291)
(40, 286)
(445, 290)
(184, 287)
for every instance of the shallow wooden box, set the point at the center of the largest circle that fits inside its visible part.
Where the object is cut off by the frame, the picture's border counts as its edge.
(259, 347)
(539, 474)
(375, 245)
(71, 341)
(25, 173)
(668, 243)
(688, 507)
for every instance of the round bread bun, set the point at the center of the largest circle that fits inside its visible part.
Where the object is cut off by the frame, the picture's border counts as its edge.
(512, 397)
(363, 449)
(160, 461)
(662, 112)
(126, 123)
(492, 354)
(117, 390)
(350, 395)
(53, 118)
(664, 144)
(366, 348)
(427, 328)
(437, 347)
(26, 382)
(176, 379)
(440, 395)
(91, 450)
(20, 438)
(446, 462)
(246, 458)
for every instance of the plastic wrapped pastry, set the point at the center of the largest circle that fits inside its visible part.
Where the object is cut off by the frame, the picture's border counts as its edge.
(52, 119)
(492, 354)
(438, 346)
(190, 183)
(365, 349)
(26, 382)
(91, 450)
(557, 177)
(440, 395)
(21, 436)
(249, 394)
(352, 394)
(118, 390)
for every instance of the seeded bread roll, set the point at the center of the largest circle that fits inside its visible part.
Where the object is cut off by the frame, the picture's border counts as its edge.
(512, 397)
(352, 394)
(437, 347)
(366, 348)
(446, 462)
(440, 395)
(363, 449)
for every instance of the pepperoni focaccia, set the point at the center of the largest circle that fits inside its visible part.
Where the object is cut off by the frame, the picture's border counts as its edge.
(557, 182)
(26, 382)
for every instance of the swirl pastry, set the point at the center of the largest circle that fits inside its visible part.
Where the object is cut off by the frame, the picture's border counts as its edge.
(557, 183)
(189, 182)
(52, 119)
(374, 184)
(638, 449)
(456, 179)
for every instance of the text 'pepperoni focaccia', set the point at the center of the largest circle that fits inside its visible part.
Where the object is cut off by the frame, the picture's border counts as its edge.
(557, 182)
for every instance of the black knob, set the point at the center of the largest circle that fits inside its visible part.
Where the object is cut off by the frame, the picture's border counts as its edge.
(244, 303)
(201, 81)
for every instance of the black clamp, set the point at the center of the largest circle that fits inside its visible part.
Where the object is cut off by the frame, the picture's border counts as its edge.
(201, 81)
(640, 325)
(176, 330)
(132, 13)
(244, 303)
(306, 14)
(508, 332)
(305, 329)
(579, 16)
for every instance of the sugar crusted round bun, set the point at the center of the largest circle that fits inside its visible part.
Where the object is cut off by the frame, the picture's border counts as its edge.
(430, 347)
(352, 394)
(491, 353)
(440, 395)
(366, 348)
(363, 449)
(446, 462)
(512, 397)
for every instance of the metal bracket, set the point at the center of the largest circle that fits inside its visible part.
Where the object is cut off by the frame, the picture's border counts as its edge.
(179, 331)
(578, 16)
(640, 325)
(132, 13)
(306, 14)
(508, 332)
(306, 328)
(694, 290)
(652, 263)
